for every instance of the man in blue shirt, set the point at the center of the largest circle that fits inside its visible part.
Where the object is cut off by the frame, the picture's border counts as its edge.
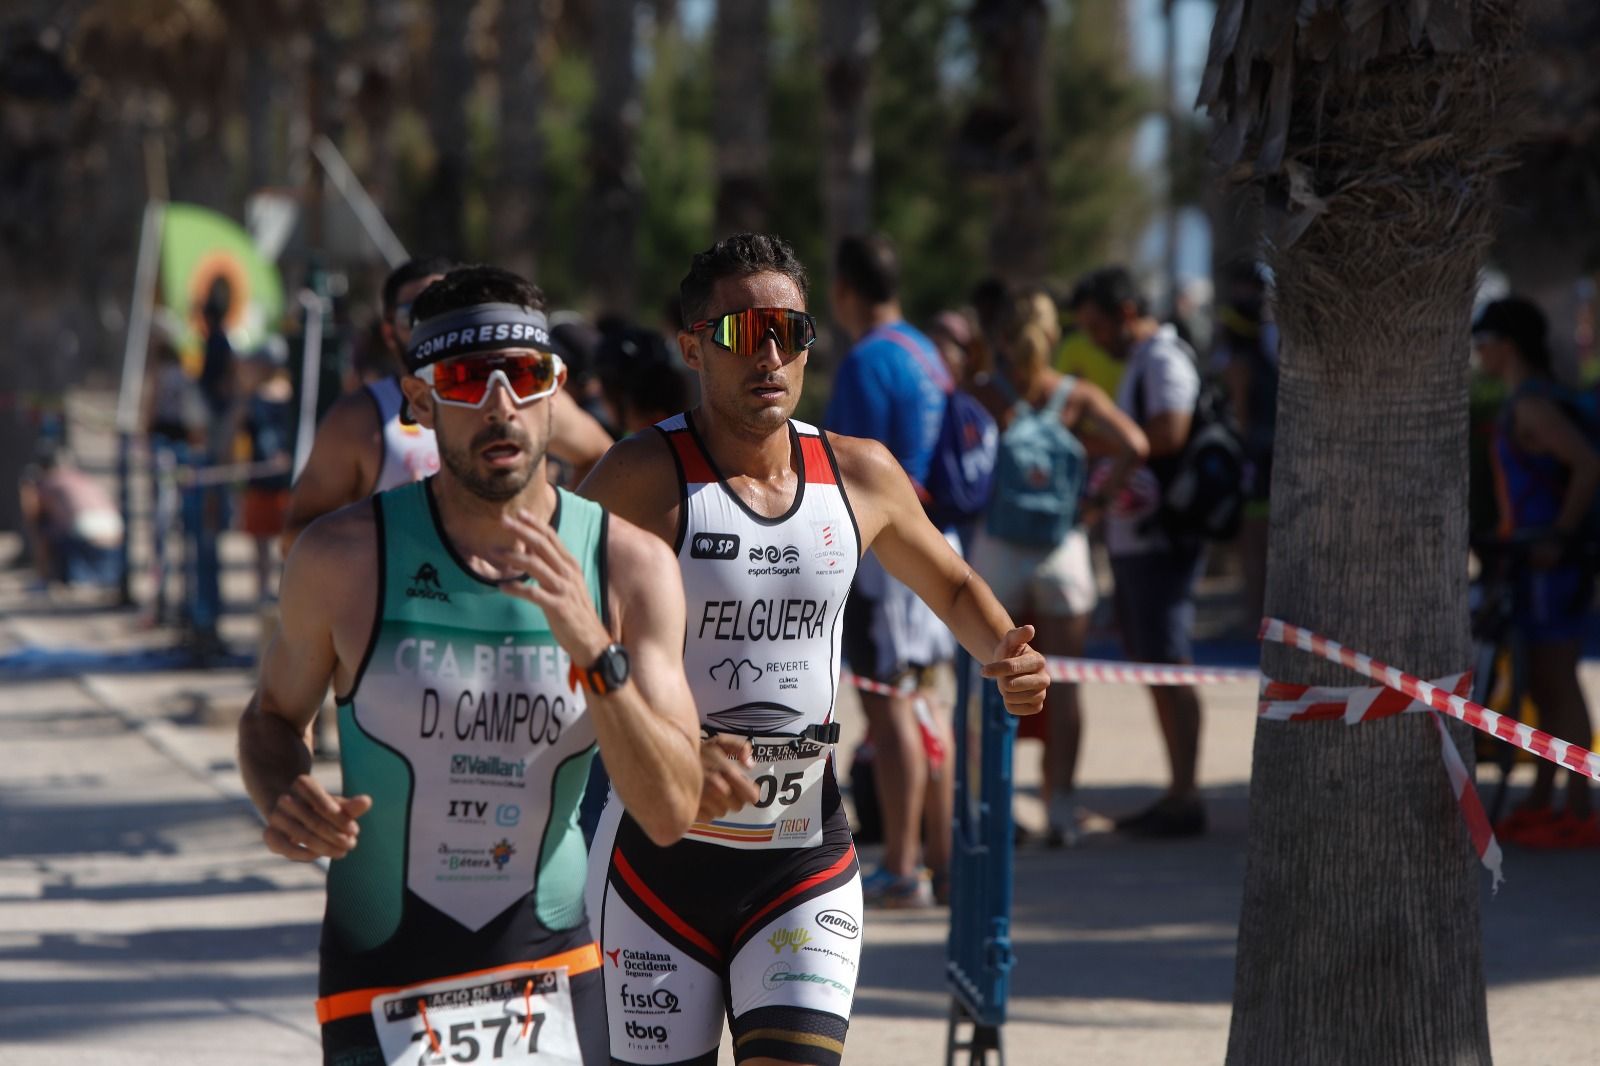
(891, 388)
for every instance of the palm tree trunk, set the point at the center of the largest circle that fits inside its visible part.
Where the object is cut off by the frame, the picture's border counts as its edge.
(614, 179)
(1359, 937)
(441, 223)
(521, 176)
(740, 41)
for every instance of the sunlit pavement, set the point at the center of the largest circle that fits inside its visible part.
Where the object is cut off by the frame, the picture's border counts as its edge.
(141, 920)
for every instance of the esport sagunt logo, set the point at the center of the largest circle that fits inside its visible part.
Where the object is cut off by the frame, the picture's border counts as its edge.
(780, 562)
(425, 585)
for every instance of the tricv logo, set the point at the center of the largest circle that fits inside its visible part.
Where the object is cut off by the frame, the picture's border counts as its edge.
(714, 546)
(635, 1031)
(840, 924)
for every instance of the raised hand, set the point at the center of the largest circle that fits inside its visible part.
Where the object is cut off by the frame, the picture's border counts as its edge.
(1019, 671)
(556, 585)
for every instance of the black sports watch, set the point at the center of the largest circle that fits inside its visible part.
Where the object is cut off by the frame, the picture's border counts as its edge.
(609, 672)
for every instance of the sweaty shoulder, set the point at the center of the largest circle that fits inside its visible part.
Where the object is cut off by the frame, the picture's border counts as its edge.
(337, 552)
(330, 579)
(637, 481)
(868, 468)
(353, 417)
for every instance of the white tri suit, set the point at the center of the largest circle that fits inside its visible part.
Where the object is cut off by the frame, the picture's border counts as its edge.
(410, 452)
(757, 915)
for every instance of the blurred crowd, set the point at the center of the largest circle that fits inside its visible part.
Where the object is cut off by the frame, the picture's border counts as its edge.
(1074, 444)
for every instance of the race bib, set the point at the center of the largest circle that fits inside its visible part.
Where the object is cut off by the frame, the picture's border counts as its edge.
(788, 810)
(513, 1016)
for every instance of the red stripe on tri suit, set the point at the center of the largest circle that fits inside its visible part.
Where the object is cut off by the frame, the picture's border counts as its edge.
(818, 470)
(794, 890)
(696, 470)
(655, 903)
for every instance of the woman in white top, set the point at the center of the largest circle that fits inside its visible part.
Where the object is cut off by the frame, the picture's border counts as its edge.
(1052, 585)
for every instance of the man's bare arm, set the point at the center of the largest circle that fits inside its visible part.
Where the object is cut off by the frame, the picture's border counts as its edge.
(913, 550)
(637, 481)
(648, 728)
(579, 438)
(342, 467)
(304, 822)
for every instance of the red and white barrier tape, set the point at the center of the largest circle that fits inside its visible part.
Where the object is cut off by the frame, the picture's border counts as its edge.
(1114, 673)
(1562, 753)
(932, 737)
(1314, 703)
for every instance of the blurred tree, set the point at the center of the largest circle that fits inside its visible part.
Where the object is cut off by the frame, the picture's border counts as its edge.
(849, 37)
(741, 42)
(520, 177)
(610, 245)
(441, 228)
(1549, 233)
(1378, 132)
(1008, 127)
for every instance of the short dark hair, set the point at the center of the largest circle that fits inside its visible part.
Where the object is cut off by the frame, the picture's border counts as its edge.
(1520, 323)
(868, 267)
(1108, 289)
(409, 271)
(472, 285)
(737, 256)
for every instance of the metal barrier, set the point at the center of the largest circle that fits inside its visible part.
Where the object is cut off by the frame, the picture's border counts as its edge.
(980, 956)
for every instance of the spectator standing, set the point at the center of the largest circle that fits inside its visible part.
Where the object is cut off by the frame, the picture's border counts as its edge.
(268, 423)
(1547, 472)
(1246, 347)
(891, 388)
(1037, 561)
(1154, 572)
(175, 426)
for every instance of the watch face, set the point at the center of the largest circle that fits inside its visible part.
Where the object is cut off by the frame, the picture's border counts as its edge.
(614, 666)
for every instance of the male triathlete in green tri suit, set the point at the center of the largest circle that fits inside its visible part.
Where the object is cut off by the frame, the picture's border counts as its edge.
(482, 631)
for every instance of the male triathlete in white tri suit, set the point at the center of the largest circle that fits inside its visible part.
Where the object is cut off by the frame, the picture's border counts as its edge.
(478, 628)
(363, 446)
(756, 914)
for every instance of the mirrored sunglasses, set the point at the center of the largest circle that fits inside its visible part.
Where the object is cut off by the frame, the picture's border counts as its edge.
(467, 381)
(744, 332)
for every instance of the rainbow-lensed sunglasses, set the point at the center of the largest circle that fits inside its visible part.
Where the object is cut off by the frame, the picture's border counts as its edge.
(468, 380)
(744, 332)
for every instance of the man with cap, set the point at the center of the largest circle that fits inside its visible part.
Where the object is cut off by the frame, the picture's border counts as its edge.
(485, 632)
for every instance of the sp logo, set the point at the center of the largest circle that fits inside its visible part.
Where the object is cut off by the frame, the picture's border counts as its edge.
(714, 546)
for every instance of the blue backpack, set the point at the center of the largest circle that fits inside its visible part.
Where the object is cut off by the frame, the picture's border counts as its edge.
(961, 470)
(1039, 474)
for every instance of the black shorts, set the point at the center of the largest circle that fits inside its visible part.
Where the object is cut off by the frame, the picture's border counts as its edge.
(768, 938)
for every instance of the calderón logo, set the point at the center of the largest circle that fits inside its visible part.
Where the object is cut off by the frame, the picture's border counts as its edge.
(779, 973)
(840, 924)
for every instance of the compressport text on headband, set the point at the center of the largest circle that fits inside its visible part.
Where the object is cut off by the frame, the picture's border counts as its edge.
(479, 328)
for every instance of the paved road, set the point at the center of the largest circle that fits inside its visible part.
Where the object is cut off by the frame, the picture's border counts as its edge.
(141, 922)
